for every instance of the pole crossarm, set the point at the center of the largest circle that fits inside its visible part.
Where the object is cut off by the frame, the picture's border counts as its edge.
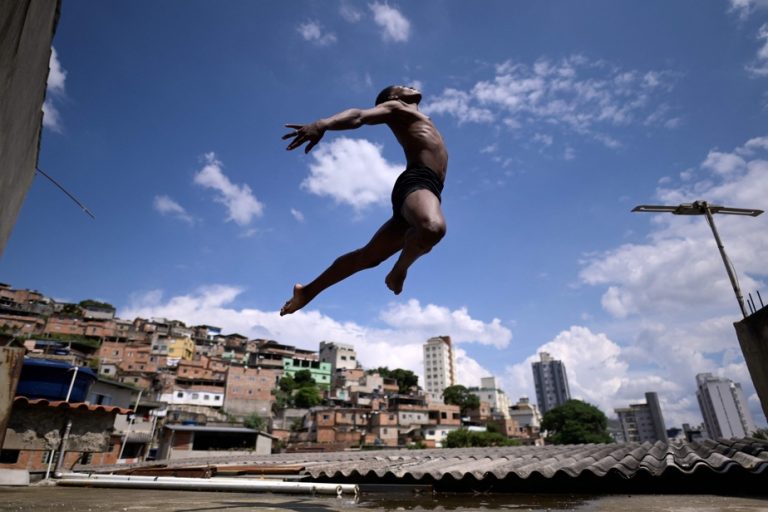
(706, 209)
(696, 208)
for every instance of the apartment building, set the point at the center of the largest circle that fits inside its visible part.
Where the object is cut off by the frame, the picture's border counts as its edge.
(551, 382)
(439, 367)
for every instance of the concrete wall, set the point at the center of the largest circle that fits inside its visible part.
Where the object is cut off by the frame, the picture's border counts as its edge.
(11, 361)
(26, 32)
(753, 338)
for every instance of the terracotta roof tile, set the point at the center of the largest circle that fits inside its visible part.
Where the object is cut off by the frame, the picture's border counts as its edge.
(61, 404)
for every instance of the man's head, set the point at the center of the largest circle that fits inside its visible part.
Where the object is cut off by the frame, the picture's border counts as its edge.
(399, 92)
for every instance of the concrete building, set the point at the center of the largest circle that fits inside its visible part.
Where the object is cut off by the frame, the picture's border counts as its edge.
(249, 390)
(339, 355)
(724, 407)
(25, 53)
(439, 367)
(642, 422)
(488, 392)
(551, 382)
(321, 372)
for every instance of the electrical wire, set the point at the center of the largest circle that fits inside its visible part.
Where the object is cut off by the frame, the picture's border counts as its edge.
(73, 198)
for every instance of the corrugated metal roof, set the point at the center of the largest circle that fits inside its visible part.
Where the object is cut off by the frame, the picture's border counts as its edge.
(708, 466)
(61, 404)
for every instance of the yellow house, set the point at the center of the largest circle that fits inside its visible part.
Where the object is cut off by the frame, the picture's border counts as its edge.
(181, 348)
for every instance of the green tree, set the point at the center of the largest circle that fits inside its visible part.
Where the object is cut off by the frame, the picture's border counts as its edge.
(307, 397)
(90, 303)
(287, 384)
(463, 438)
(254, 421)
(303, 378)
(576, 422)
(406, 379)
(460, 395)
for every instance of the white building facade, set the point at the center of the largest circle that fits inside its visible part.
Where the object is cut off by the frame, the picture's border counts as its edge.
(492, 395)
(643, 422)
(439, 367)
(724, 407)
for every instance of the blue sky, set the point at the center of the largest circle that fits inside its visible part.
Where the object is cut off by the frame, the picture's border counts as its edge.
(165, 120)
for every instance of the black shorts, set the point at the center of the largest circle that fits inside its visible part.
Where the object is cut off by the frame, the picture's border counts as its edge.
(412, 179)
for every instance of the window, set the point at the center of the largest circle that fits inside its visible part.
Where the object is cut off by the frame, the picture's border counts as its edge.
(207, 397)
(218, 398)
(9, 456)
(179, 395)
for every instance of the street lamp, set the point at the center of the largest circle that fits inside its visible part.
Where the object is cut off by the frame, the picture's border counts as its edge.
(704, 208)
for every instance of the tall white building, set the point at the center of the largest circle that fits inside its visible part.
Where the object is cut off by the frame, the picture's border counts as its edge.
(551, 382)
(724, 407)
(340, 356)
(492, 395)
(642, 422)
(439, 366)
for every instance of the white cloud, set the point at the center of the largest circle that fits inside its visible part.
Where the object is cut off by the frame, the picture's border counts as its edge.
(167, 206)
(411, 316)
(353, 172)
(672, 293)
(312, 31)
(57, 77)
(398, 344)
(350, 13)
(591, 98)
(395, 27)
(241, 204)
(297, 215)
(760, 66)
(744, 8)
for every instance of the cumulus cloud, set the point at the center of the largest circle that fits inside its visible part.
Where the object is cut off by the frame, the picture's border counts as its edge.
(744, 8)
(241, 204)
(760, 65)
(397, 344)
(167, 206)
(57, 77)
(672, 292)
(394, 26)
(352, 172)
(411, 316)
(588, 97)
(350, 13)
(312, 31)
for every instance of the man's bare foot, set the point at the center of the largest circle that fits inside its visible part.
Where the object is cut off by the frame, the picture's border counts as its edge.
(395, 280)
(296, 302)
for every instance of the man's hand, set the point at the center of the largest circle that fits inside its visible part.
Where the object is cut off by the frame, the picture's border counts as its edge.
(303, 133)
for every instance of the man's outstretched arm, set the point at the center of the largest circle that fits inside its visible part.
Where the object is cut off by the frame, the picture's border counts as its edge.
(347, 120)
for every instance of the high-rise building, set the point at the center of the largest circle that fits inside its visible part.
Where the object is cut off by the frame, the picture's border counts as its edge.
(642, 422)
(439, 366)
(551, 382)
(724, 407)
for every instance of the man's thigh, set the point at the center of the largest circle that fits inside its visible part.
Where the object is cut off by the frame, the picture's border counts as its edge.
(422, 207)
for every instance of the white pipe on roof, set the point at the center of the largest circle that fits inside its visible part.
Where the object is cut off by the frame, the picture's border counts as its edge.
(203, 484)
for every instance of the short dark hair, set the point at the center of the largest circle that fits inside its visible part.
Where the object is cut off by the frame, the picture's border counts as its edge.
(386, 94)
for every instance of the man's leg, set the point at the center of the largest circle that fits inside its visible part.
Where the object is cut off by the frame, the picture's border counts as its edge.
(427, 227)
(385, 242)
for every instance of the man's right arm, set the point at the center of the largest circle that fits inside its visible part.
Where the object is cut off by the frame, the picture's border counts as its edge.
(347, 120)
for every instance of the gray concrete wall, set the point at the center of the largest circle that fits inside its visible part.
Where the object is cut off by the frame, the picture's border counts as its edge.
(26, 32)
(11, 361)
(753, 338)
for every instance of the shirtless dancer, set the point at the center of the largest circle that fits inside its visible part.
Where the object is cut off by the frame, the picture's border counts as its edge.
(417, 222)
